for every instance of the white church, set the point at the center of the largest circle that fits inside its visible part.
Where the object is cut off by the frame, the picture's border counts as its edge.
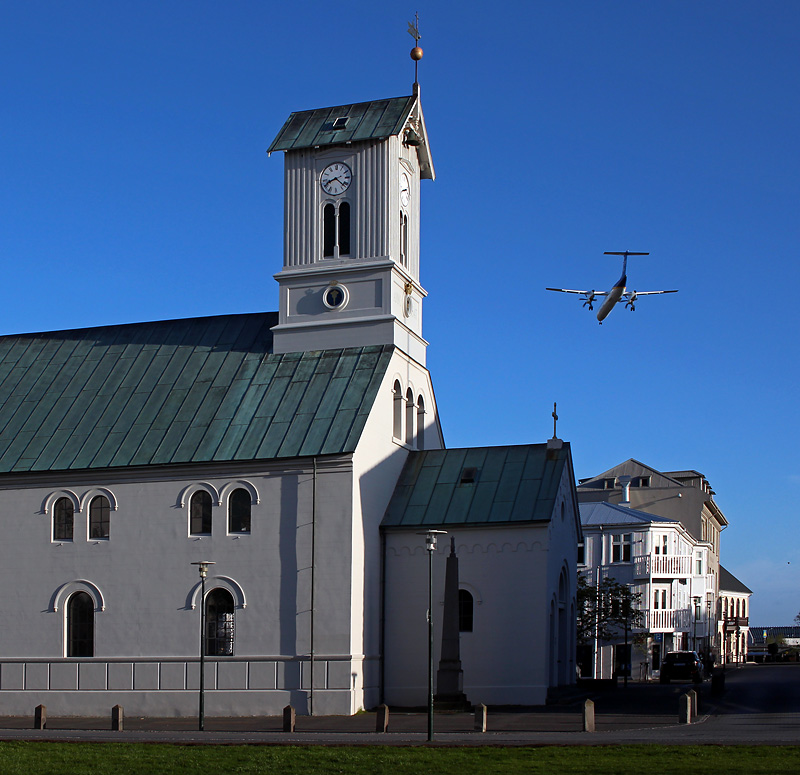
(301, 453)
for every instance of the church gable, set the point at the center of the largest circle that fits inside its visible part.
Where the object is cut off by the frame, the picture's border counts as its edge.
(181, 391)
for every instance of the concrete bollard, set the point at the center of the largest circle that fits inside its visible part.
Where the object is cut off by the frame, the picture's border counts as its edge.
(289, 718)
(40, 717)
(685, 709)
(117, 718)
(696, 702)
(382, 719)
(480, 718)
(588, 716)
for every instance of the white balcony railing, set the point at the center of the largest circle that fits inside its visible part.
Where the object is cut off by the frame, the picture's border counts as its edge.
(668, 620)
(662, 565)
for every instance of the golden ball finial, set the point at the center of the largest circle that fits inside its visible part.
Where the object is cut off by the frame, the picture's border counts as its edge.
(416, 53)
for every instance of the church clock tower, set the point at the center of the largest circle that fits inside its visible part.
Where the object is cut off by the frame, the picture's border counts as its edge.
(350, 273)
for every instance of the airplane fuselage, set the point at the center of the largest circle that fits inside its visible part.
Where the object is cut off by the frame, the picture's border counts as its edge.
(614, 295)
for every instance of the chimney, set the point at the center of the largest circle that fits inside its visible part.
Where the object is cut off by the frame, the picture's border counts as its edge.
(625, 482)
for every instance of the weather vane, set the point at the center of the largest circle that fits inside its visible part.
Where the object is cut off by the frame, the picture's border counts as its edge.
(416, 52)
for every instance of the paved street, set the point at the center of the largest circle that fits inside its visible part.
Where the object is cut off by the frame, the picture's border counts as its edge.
(760, 705)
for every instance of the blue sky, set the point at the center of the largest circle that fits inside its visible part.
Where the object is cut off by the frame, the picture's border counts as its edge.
(135, 186)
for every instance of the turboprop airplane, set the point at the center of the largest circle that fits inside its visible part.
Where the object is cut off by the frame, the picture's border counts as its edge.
(617, 293)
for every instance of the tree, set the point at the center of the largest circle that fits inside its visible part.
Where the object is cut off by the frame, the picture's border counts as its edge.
(774, 645)
(606, 611)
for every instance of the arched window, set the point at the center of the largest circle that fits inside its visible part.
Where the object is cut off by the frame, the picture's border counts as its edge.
(411, 411)
(99, 517)
(63, 519)
(465, 610)
(403, 238)
(219, 623)
(397, 418)
(328, 230)
(344, 229)
(80, 625)
(336, 230)
(239, 511)
(420, 422)
(200, 513)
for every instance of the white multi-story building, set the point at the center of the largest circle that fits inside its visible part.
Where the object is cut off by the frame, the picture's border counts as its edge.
(685, 497)
(665, 567)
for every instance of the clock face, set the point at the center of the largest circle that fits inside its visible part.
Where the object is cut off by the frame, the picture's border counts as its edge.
(335, 178)
(405, 189)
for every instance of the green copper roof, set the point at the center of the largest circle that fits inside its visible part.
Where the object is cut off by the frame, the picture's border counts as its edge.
(362, 121)
(177, 391)
(482, 485)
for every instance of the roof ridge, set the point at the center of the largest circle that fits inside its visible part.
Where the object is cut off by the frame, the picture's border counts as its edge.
(132, 324)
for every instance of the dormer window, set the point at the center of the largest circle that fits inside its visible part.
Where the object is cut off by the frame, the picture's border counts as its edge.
(341, 122)
(468, 475)
(608, 484)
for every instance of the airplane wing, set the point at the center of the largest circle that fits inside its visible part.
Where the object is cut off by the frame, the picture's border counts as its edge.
(584, 293)
(628, 294)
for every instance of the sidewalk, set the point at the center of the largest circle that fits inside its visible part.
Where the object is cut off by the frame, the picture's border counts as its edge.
(639, 713)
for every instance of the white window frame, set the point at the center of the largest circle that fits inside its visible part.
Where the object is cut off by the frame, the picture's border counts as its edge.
(622, 547)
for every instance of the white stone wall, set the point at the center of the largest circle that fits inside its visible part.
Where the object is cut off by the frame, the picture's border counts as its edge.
(377, 465)
(506, 659)
(144, 585)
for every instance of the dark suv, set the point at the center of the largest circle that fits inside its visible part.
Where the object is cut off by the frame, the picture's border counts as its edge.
(681, 664)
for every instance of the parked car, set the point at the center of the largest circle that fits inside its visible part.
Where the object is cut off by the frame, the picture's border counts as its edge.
(681, 664)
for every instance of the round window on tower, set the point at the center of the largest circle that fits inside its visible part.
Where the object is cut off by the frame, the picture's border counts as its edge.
(335, 296)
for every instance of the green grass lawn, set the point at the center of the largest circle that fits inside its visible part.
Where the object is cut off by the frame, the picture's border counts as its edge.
(121, 758)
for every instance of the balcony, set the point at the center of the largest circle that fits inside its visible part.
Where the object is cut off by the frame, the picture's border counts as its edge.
(732, 623)
(668, 620)
(671, 566)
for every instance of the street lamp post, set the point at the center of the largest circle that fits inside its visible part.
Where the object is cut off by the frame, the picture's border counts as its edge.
(430, 545)
(695, 616)
(202, 566)
(626, 602)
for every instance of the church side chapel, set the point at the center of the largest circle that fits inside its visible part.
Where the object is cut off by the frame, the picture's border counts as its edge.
(299, 454)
